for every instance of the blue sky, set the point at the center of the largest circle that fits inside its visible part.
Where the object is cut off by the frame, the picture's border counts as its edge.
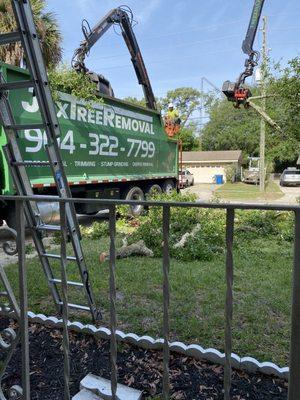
(181, 40)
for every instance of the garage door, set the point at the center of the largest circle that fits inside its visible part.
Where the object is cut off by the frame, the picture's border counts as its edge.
(206, 174)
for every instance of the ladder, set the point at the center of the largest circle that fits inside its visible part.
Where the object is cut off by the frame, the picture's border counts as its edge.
(27, 35)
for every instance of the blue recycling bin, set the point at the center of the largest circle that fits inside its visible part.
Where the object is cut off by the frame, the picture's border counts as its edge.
(219, 179)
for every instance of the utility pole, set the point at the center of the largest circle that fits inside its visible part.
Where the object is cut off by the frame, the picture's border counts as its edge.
(263, 105)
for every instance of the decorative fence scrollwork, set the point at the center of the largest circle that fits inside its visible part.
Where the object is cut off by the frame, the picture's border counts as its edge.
(9, 247)
(9, 339)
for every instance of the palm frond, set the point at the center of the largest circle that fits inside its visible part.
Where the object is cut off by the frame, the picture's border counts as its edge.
(47, 28)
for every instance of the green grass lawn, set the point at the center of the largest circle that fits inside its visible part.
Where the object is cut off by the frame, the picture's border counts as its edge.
(262, 285)
(244, 191)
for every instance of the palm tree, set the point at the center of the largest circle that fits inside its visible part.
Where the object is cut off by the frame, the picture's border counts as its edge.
(47, 28)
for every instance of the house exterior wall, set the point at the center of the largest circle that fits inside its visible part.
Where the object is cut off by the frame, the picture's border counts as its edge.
(205, 172)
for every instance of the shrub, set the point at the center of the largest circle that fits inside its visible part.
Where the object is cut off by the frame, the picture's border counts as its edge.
(231, 173)
(96, 230)
(285, 226)
(204, 229)
(208, 238)
(195, 233)
(265, 223)
(208, 225)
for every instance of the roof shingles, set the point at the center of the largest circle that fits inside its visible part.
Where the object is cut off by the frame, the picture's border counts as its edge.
(210, 156)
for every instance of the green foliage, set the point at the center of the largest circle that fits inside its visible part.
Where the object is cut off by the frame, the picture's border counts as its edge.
(135, 101)
(186, 101)
(96, 230)
(206, 228)
(47, 29)
(265, 223)
(124, 228)
(56, 238)
(64, 79)
(231, 173)
(188, 138)
(29, 248)
(285, 109)
(231, 129)
(207, 241)
(123, 212)
(101, 229)
(202, 228)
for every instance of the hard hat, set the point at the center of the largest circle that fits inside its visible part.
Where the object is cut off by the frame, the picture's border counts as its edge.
(171, 105)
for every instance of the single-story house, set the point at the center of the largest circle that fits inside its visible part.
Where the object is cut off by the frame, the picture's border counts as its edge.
(204, 165)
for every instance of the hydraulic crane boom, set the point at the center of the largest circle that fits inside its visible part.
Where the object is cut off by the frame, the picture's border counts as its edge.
(235, 91)
(121, 17)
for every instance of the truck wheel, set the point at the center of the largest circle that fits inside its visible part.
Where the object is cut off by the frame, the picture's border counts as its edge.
(152, 190)
(168, 186)
(10, 217)
(135, 193)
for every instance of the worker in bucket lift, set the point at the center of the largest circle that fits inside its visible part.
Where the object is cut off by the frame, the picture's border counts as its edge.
(172, 114)
(172, 121)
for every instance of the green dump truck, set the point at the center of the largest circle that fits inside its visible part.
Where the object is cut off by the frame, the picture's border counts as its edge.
(112, 149)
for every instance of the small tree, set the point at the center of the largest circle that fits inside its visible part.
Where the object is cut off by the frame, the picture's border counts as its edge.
(187, 135)
(135, 101)
(186, 99)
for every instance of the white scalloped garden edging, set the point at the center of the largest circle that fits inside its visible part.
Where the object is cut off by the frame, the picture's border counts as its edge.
(249, 364)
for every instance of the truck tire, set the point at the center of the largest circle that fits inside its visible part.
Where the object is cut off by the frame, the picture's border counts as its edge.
(10, 217)
(152, 190)
(135, 193)
(168, 186)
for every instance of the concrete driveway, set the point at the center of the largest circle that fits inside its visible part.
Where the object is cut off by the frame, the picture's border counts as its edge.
(291, 194)
(203, 191)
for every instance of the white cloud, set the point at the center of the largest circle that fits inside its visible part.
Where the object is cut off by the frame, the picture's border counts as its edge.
(85, 5)
(92, 9)
(143, 15)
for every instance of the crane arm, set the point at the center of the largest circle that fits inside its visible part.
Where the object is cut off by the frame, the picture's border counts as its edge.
(116, 16)
(247, 46)
(235, 91)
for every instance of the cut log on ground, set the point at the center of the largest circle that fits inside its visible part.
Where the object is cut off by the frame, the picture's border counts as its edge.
(135, 249)
(184, 238)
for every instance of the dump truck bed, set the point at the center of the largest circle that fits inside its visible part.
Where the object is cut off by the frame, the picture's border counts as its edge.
(110, 141)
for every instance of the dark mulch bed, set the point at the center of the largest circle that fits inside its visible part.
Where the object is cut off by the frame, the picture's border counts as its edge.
(139, 368)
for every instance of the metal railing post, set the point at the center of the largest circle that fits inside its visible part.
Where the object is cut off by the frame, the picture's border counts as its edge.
(112, 295)
(166, 300)
(64, 295)
(294, 378)
(229, 300)
(24, 333)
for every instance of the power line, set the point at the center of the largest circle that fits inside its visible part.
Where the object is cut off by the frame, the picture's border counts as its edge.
(169, 59)
(195, 43)
(177, 46)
